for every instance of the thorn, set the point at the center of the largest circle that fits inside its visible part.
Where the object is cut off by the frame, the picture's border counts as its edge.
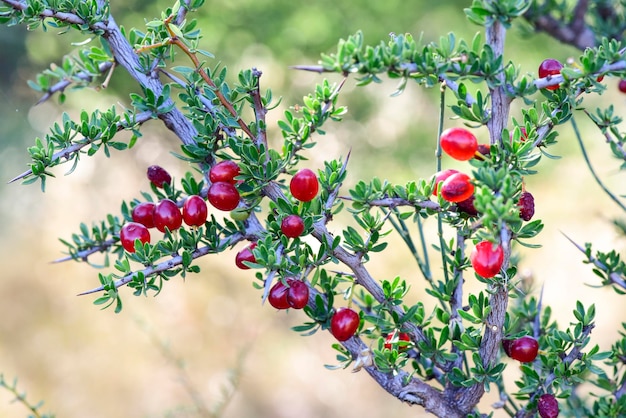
(61, 260)
(313, 68)
(20, 176)
(89, 292)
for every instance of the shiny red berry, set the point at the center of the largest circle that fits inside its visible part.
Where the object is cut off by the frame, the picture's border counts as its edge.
(167, 215)
(143, 213)
(245, 255)
(278, 296)
(132, 231)
(195, 211)
(292, 226)
(304, 185)
(158, 176)
(399, 339)
(550, 67)
(457, 188)
(440, 177)
(223, 196)
(344, 323)
(621, 86)
(459, 143)
(487, 259)
(523, 349)
(224, 171)
(297, 294)
(526, 205)
(548, 406)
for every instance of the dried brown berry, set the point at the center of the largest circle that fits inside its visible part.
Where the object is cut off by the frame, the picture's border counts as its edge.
(547, 406)
(158, 176)
(526, 205)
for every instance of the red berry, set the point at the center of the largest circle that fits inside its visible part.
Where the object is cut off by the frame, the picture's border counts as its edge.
(245, 255)
(487, 259)
(304, 185)
(523, 349)
(158, 176)
(224, 171)
(547, 406)
(441, 176)
(467, 207)
(344, 323)
(224, 196)
(297, 294)
(400, 338)
(622, 85)
(167, 215)
(550, 67)
(600, 78)
(523, 134)
(526, 205)
(278, 296)
(292, 226)
(457, 188)
(143, 213)
(132, 231)
(195, 211)
(459, 143)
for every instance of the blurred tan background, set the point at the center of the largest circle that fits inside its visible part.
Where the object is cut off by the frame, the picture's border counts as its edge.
(209, 336)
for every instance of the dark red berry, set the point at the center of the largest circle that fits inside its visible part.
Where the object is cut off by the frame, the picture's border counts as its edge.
(344, 323)
(401, 339)
(548, 406)
(224, 196)
(550, 67)
(487, 259)
(195, 211)
(132, 231)
(158, 176)
(482, 152)
(292, 226)
(167, 215)
(522, 349)
(457, 188)
(297, 294)
(224, 171)
(143, 213)
(526, 205)
(466, 207)
(459, 143)
(621, 86)
(245, 255)
(304, 185)
(278, 296)
(440, 177)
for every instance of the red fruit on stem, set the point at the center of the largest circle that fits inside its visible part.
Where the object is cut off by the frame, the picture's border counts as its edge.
(522, 349)
(245, 255)
(397, 338)
(195, 211)
(487, 259)
(278, 296)
(292, 226)
(459, 143)
(482, 152)
(167, 215)
(158, 176)
(224, 171)
(440, 177)
(223, 196)
(457, 188)
(304, 185)
(143, 213)
(297, 294)
(548, 406)
(132, 231)
(550, 67)
(622, 85)
(344, 323)
(526, 205)
(467, 207)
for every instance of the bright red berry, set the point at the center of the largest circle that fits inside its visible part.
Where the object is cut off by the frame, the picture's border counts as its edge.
(457, 188)
(245, 255)
(401, 339)
(459, 143)
(550, 67)
(167, 215)
(487, 259)
(344, 323)
(224, 171)
(158, 176)
(440, 177)
(304, 185)
(143, 213)
(297, 294)
(526, 205)
(132, 231)
(522, 349)
(195, 211)
(621, 86)
(224, 196)
(278, 296)
(548, 406)
(292, 226)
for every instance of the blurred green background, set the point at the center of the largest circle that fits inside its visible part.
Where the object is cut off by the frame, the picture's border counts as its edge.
(209, 335)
